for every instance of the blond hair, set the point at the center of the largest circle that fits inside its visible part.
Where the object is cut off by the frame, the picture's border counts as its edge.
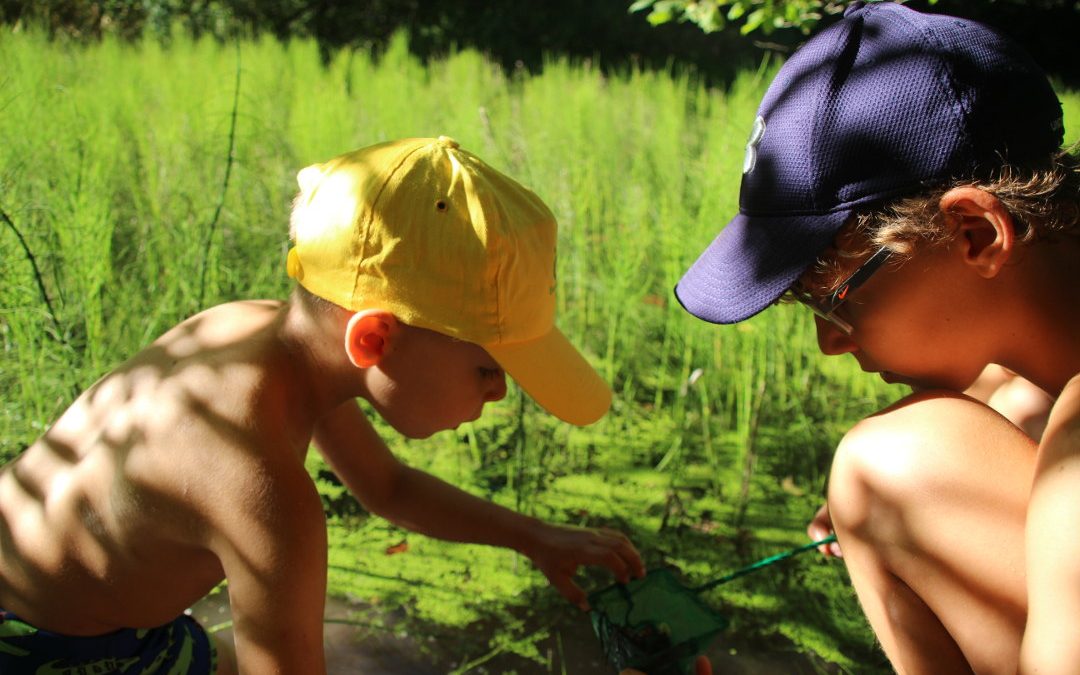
(1044, 203)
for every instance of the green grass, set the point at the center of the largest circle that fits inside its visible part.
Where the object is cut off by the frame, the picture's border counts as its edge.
(112, 167)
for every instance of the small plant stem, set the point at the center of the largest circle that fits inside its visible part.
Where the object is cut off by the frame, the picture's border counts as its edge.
(37, 274)
(229, 160)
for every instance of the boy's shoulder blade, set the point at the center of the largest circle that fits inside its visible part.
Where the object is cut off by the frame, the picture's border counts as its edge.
(219, 382)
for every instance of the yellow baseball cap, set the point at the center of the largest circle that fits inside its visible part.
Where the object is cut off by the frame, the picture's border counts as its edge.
(428, 231)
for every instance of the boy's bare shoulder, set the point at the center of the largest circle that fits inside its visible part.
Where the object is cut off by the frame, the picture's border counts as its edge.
(227, 326)
(218, 384)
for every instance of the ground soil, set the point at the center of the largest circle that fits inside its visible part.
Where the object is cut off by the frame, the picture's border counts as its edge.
(351, 650)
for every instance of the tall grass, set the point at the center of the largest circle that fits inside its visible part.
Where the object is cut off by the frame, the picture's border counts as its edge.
(113, 162)
(115, 157)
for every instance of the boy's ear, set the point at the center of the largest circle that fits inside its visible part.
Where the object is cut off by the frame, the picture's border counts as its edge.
(369, 336)
(984, 228)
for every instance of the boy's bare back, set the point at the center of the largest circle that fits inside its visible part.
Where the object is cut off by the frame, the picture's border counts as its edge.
(187, 455)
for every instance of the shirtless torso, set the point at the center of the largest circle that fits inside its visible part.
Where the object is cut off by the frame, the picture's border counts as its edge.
(158, 481)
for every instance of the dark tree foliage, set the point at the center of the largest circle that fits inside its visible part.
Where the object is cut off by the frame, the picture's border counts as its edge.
(520, 34)
(517, 35)
(1048, 29)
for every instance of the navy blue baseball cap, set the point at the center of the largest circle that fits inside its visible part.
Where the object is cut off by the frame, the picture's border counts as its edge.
(883, 103)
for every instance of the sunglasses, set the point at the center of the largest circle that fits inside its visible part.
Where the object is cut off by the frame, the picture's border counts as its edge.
(826, 307)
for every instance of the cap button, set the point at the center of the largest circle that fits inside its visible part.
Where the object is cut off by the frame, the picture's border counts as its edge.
(448, 142)
(854, 7)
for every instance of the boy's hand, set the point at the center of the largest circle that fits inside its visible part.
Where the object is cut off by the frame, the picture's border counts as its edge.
(558, 551)
(821, 527)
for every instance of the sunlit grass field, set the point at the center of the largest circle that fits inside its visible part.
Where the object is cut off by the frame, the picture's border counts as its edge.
(143, 182)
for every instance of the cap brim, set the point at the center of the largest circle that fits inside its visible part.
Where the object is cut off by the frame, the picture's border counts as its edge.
(752, 262)
(556, 376)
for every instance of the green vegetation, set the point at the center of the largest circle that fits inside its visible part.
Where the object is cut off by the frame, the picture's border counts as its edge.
(113, 168)
(766, 15)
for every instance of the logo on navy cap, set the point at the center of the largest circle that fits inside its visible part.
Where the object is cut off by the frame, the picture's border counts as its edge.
(750, 160)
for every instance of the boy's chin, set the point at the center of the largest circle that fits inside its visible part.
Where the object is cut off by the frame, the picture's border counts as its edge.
(425, 428)
(926, 383)
(416, 434)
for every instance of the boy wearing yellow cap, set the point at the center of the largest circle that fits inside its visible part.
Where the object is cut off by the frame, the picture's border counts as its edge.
(423, 275)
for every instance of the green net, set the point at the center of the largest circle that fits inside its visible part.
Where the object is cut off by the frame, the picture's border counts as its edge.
(653, 624)
(659, 626)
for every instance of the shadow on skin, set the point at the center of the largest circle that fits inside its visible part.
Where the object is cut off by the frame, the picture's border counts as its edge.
(96, 439)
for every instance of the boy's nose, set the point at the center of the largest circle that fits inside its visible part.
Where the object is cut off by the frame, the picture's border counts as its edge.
(831, 340)
(496, 391)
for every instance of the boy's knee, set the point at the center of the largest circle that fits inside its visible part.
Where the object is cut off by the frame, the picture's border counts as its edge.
(901, 454)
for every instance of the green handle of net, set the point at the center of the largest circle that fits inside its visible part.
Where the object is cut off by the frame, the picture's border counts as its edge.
(771, 560)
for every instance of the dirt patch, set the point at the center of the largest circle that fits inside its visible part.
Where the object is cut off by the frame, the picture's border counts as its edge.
(572, 650)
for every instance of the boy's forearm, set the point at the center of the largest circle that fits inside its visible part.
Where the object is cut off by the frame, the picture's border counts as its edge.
(413, 498)
(425, 504)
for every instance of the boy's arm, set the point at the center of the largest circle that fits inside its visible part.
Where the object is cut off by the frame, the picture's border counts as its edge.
(425, 504)
(270, 536)
(1051, 642)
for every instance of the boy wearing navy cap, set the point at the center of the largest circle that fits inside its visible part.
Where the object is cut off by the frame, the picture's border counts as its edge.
(905, 180)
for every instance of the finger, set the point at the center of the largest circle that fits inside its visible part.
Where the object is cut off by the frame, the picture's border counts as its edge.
(702, 666)
(616, 538)
(816, 532)
(828, 550)
(571, 591)
(614, 562)
(602, 554)
(629, 557)
(632, 558)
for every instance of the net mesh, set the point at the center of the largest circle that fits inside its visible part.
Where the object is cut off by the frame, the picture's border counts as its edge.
(653, 624)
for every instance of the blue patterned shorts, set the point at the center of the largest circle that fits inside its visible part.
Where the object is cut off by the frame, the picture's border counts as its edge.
(181, 647)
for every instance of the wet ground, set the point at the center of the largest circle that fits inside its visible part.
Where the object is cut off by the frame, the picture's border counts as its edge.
(351, 650)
